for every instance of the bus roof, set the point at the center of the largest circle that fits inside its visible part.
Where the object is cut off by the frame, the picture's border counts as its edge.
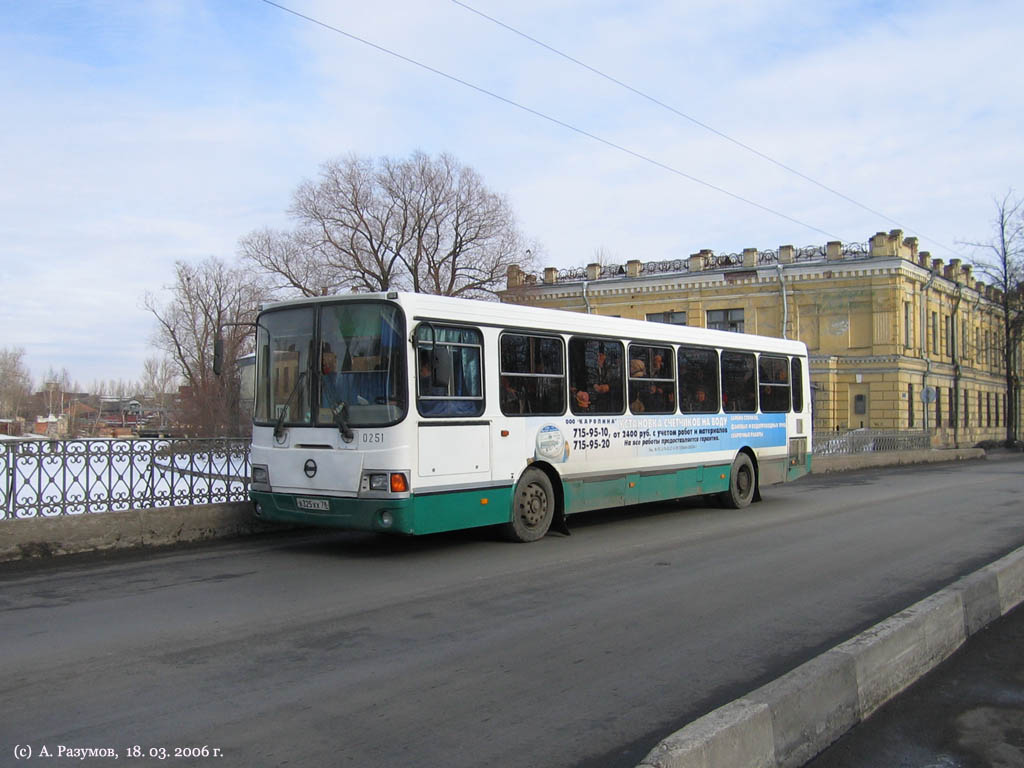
(425, 306)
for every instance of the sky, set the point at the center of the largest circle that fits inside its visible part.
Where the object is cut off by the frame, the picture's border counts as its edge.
(137, 134)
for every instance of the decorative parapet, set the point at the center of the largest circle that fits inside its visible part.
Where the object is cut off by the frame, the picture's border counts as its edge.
(705, 260)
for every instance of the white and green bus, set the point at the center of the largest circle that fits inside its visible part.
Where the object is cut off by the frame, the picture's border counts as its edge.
(414, 414)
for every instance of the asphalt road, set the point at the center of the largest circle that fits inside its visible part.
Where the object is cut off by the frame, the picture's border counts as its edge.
(459, 650)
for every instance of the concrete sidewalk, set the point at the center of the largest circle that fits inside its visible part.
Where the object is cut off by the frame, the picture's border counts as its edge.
(967, 713)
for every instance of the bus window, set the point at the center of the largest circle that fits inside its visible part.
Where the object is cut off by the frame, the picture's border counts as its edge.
(362, 363)
(595, 376)
(797, 380)
(651, 383)
(532, 375)
(454, 385)
(773, 383)
(739, 387)
(698, 380)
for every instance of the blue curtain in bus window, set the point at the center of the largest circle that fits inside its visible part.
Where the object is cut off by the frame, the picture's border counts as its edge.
(361, 362)
(458, 360)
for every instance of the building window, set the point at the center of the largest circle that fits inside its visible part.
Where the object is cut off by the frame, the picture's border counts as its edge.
(952, 407)
(908, 328)
(726, 320)
(532, 375)
(652, 386)
(996, 398)
(910, 406)
(595, 376)
(671, 317)
(935, 333)
(988, 408)
(698, 380)
(967, 409)
(938, 407)
(860, 405)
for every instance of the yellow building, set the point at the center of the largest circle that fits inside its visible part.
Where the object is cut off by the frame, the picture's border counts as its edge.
(898, 340)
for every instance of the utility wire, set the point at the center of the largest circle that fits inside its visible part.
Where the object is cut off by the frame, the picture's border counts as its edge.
(550, 119)
(693, 120)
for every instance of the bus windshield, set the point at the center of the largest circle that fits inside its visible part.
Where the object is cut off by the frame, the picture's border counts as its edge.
(313, 362)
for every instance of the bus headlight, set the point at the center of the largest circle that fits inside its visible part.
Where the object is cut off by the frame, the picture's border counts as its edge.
(379, 482)
(260, 474)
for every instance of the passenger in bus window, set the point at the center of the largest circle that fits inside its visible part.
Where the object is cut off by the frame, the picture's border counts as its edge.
(330, 379)
(658, 368)
(512, 400)
(583, 402)
(605, 383)
(654, 398)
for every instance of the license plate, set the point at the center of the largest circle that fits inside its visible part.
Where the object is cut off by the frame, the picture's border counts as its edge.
(320, 505)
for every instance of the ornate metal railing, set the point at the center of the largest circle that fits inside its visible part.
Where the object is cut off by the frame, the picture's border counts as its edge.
(46, 478)
(712, 261)
(865, 440)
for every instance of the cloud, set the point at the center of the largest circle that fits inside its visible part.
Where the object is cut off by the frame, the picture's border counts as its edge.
(143, 134)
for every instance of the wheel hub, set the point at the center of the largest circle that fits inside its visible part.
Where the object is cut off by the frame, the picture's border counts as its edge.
(534, 504)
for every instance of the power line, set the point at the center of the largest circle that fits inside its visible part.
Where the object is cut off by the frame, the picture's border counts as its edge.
(550, 119)
(693, 120)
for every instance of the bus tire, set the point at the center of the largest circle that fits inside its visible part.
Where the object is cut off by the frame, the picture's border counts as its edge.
(533, 507)
(742, 483)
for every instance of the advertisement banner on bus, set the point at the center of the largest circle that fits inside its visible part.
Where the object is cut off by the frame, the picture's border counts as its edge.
(661, 435)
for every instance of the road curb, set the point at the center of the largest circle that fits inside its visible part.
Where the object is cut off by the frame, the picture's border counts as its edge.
(790, 720)
(127, 529)
(870, 460)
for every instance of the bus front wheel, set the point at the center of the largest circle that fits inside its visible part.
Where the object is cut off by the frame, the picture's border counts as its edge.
(742, 483)
(533, 507)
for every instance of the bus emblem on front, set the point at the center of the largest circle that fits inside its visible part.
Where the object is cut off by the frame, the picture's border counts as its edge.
(310, 468)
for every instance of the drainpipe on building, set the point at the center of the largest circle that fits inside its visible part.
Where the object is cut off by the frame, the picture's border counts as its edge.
(586, 299)
(785, 303)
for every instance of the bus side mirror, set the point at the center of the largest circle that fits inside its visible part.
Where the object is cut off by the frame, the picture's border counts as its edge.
(218, 355)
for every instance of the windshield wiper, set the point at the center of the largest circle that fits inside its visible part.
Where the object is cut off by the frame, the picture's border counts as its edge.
(340, 412)
(279, 426)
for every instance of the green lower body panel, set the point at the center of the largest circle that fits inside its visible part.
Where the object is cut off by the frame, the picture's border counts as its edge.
(418, 514)
(799, 470)
(636, 488)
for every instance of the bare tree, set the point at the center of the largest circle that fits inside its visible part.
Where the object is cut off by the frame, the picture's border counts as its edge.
(205, 297)
(158, 379)
(424, 224)
(15, 382)
(1002, 264)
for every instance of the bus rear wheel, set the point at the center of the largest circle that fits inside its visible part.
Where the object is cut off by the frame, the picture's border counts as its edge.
(742, 483)
(533, 507)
